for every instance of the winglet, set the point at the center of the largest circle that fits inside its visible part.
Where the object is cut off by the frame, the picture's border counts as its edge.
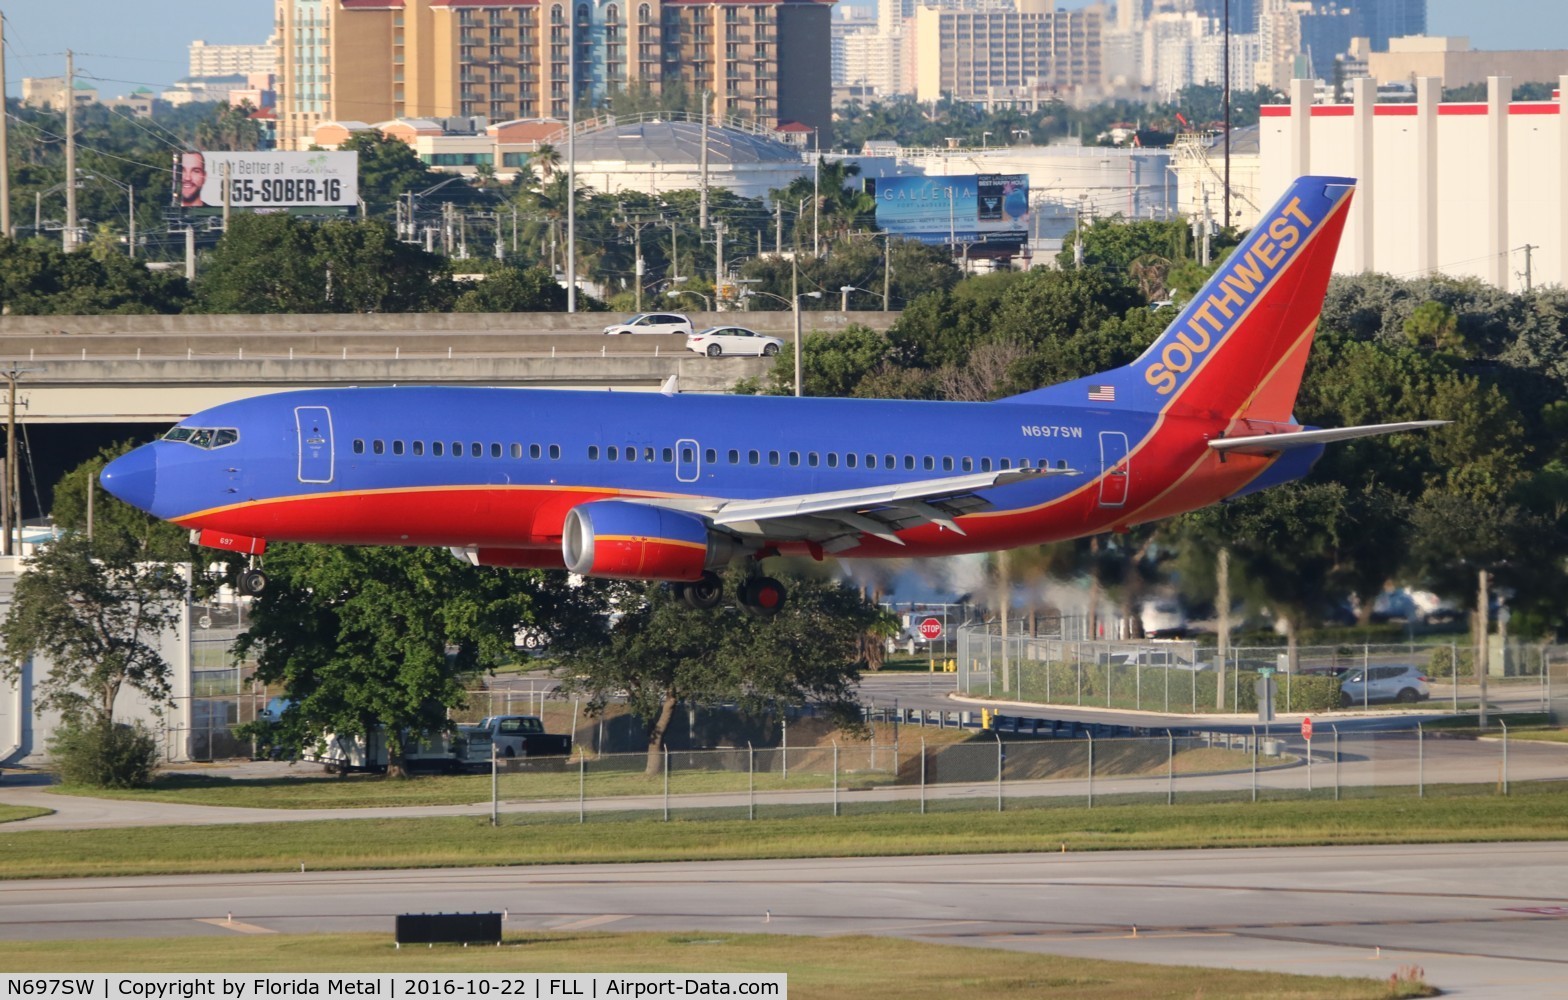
(670, 388)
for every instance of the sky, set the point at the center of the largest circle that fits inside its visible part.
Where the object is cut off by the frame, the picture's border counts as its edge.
(123, 44)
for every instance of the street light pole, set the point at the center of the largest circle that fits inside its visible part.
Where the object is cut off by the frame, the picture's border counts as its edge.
(10, 498)
(794, 298)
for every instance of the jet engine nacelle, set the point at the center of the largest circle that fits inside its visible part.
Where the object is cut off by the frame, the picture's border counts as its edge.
(633, 541)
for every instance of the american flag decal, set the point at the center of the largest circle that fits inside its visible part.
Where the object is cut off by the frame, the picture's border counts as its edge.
(1102, 393)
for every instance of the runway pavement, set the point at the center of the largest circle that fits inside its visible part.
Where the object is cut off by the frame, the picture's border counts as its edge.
(1485, 920)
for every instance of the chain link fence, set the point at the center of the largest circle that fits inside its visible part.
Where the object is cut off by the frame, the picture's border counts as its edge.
(991, 773)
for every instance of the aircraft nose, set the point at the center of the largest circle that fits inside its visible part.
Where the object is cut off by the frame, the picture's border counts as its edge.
(133, 477)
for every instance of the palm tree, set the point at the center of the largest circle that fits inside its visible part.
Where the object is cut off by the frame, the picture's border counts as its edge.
(548, 158)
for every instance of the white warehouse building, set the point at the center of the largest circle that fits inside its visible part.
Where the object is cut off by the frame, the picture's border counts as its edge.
(1467, 190)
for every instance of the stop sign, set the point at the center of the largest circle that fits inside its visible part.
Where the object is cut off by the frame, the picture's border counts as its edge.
(1306, 729)
(931, 628)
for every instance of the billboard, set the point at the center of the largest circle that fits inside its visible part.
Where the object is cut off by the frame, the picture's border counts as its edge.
(989, 209)
(267, 180)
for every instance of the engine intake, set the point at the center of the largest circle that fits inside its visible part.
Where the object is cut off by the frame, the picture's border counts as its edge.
(632, 541)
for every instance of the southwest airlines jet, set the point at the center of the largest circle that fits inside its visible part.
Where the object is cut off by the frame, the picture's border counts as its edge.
(674, 487)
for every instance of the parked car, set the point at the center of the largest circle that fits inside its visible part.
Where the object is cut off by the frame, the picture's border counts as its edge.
(1401, 683)
(653, 323)
(717, 341)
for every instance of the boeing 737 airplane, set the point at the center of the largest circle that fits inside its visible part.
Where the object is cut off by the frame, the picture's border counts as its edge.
(673, 487)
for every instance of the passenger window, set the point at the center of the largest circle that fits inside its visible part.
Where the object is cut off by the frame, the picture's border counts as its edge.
(612, 453)
(457, 449)
(435, 448)
(794, 458)
(832, 459)
(889, 461)
(419, 447)
(734, 457)
(930, 463)
(630, 454)
(849, 460)
(968, 464)
(669, 454)
(947, 463)
(533, 451)
(710, 456)
(397, 447)
(517, 450)
(378, 446)
(688, 454)
(754, 457)
(648, 455)
(909, 462)
(1061, 463)
(593, 456)
(555, 451)
(477, 449)
(359, 449)
(495, 449)
(985, 465)
(1007, 463)
(773, 458)
(811, 459)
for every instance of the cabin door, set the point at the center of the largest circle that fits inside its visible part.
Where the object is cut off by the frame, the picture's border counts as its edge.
(314, 424)
(688, 460)
(1113, 468)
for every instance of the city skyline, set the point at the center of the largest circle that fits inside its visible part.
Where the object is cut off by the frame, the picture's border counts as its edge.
(122, 47)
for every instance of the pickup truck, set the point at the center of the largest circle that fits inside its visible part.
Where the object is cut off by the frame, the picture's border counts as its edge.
(521, 736)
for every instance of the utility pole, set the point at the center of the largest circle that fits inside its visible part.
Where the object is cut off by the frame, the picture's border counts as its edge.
(1208, 224)
(5, 155)
(1078, 236)
(675, 250)
(500, 244)
(190, 254)
(719, 229)
(571, 158)
(702, 168)
(637, 226)
(1227, 112)
(10, 501)
(70, 151)
(1528, 247)
(778, 238)
(816, 194)
(887, 268)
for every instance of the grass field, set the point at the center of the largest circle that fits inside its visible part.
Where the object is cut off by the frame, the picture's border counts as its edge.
(1453, 814)
(9, 813)
(836, 968)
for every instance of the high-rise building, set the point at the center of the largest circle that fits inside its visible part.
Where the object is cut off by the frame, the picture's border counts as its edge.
(1381, 20)
(972, 55)
(233, 60)
(375, 60)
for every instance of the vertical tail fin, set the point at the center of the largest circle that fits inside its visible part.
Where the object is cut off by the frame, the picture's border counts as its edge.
(1239, 347)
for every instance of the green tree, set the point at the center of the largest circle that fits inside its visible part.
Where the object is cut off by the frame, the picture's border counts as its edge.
(379, 638)
(38, 278)
(664, 655)
(97, 608)
(389, 168)
(514, 289)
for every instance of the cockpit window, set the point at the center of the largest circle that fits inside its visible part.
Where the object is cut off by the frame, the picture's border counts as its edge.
(204, 437)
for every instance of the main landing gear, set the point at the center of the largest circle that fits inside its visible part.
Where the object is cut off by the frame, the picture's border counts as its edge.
(761, 596)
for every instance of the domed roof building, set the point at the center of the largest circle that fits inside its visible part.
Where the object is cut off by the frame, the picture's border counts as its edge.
(652, 155)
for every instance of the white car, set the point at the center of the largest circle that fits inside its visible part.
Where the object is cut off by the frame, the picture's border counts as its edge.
(653, 323)
(717, 341)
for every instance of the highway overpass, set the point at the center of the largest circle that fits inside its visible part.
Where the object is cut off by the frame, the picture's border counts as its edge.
(158, 369)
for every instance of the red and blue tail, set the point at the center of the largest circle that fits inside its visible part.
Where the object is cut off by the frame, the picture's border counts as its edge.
(1239, 347)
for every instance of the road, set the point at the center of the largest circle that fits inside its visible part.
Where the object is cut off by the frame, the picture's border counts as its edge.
(1481, 920)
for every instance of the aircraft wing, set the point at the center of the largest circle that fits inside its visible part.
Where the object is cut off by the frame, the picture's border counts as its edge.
(1268, 444)
(838, 518)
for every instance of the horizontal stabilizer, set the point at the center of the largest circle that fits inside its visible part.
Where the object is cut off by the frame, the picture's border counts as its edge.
(1268, 444)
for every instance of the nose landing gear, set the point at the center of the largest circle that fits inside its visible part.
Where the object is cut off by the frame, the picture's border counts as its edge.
(252, 581)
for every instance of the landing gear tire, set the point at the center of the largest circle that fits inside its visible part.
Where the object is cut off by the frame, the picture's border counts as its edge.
(762, 596)
(714, 350)
(252, 582)
(700, 595)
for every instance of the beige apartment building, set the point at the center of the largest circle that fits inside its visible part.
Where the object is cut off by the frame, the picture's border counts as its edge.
(375, 60)
(971, 55)
(1452, 61)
